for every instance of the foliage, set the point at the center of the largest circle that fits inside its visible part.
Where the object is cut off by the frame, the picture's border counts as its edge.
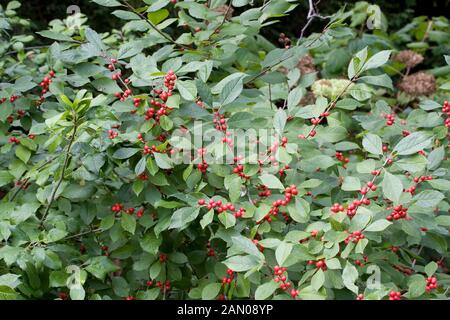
(96, 205)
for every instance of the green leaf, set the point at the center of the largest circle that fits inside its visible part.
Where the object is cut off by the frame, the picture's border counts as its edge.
(231, 91)
(187, 89)
(378, 225)
(270, 181)
(265, 290)
(349, 276)
(247, 246)
(227, 219)
(207, 219)
(211, 291)
(377, 60)
(163, 161)
(241, 263)
(150, 243)
(282, 252)
(23, 153)
(5, 178)
(125, 153)
(413, 143)
(373, 144)
(99, 267)
(351, 184)
(318, 279)
(416, 285)
(431, 268)
(158, 16)
(392, 187)
(382, 80)
(108, 3)
(428, 198)
(55, 36)
(300, 211)
(279, 121)
(128, 223)
(7, 293)
(140, 166)
(183, 216)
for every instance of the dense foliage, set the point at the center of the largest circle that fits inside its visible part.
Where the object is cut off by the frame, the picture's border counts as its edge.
(347, 198)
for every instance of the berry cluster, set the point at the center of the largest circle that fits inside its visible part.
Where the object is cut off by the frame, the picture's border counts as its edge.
(319, 264)
(285, 41)
(446, 108)
(395, 295)
(143, 177)
(229, 278)
(258, 245)
(210, 250)
(417, 180)
(152, 113)
(282, 170)
(342, 159)
(353, 207)
(150, 150)
(202, 167)
(169, 83)
(239, 170)
(337, 207)
(390, 119)
(118, 207)
(354, 237)
(105, 250)
(398, 213)
(14, 140)
(45, 83)
(264, 191)
(360, 297)
(281, 276)
(112, 134)
(220, 122)
(164, 286)
(23, 184)
(289, 192)
(431, 283)
(222, 207)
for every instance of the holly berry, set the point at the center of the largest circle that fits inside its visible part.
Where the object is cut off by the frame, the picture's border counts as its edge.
(398, 213)
(431, 283)
(354, 237)
(395, 295)
(117, 207)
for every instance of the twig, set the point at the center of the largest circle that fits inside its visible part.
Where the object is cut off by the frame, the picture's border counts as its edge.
(153, 26)
(82, 234)
(312, 14)
(28, 179)
(63, 170)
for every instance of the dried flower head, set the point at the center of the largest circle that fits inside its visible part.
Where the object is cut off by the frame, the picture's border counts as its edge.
(306, 65)
(409, 58)
(330, 88)
(418, 84)
(224, 9)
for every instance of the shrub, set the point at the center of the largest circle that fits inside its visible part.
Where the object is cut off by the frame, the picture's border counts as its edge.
(318, 173)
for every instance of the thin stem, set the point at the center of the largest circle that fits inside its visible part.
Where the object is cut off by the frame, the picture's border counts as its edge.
(330, 106)
(28, 179)
(153, 26)
(63, 170)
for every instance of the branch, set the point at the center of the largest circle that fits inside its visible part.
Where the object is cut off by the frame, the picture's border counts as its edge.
(312, 14)
(154, 27)
(63, 170)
